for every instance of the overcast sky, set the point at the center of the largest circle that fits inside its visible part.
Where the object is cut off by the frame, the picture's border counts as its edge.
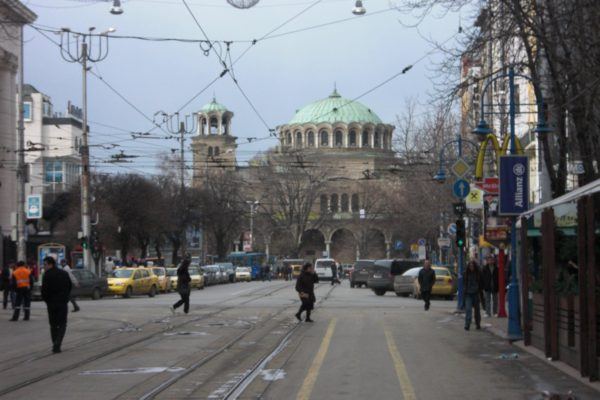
(279, 75)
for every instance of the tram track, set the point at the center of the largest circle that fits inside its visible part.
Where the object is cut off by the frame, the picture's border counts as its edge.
(254, 295)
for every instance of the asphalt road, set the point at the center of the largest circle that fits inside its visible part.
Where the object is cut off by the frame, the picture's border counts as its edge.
(241, 341)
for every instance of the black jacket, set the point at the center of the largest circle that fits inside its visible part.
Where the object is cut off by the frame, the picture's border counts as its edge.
(426, 279)
(306, 284)
(472, 281)
(489, 279)
(183, 278)
(334, 271)
(56, 286)
(5, 277)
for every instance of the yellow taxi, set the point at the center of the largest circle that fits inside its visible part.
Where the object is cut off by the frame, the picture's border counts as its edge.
(164, 281)
(445, 284)
(172, 274)
(296, 270)
(132, 281)
(196, 276)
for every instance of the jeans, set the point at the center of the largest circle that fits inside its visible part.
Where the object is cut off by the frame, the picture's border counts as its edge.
(472, 301)
(426, 296)
(57, 318)
(185, 300)
(491, 303)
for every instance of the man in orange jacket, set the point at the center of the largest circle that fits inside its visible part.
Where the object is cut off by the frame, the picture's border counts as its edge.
(23, 282)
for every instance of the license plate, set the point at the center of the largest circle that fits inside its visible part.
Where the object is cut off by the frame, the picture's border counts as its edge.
(377, 276)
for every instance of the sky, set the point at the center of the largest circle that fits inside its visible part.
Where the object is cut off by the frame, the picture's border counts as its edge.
(278, 75)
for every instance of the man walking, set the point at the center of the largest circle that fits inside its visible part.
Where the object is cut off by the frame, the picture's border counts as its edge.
(22, 282)
(183, 286)
(426, 281)
(5, 285)
(74, 282)
(489, 282)
(472, 290)
(305, 286)
(56, 292)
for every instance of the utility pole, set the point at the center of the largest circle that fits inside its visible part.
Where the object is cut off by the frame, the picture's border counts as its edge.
(76, 48)
(21, 242)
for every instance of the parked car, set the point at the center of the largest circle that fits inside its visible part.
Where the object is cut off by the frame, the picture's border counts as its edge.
(296, 270)
(132, 281)
(408, 283)
(229, 271)
(197, 277)
(164, 282)
(381, 276)
(172, 274)
(90, 284)
(210, 277)
(360, 273)
(323, 268)
(222, 273)
(243, 274)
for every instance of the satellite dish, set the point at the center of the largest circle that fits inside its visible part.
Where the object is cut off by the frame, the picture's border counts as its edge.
(243, 3)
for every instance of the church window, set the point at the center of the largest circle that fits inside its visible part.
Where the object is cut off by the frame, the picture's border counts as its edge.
(377, 140)
(365, 139)
(334, 203)
(311, 139)
(288, 138)
(339, 139)
(324, 138)
(355, 204)
(210, 151)
(299, 139)
(214, 126)
(324, 205)
(217, 151)
(352, 139)
(344, 203)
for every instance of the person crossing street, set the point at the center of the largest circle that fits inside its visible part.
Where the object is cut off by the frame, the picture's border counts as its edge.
(56, 292)
(183, 286)
(22, 282)
(426, 281)
(305, 286)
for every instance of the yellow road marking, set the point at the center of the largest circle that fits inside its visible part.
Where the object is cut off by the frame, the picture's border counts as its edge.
(313, 372)
(408, 393)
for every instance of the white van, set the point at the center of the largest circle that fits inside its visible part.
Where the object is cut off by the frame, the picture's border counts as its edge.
(323, 268)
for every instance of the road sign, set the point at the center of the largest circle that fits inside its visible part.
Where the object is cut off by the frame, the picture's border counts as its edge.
(474, 199)
(459, 208)
(489, 185)
(34, 206)
(398, 245)
(421, 242)
(452, 228)
(460, 168)
(443, 242)
(422, 253)
(514, 185)
(414, 248)
(461, 188)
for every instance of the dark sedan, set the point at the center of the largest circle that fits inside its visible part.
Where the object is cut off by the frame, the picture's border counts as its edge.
(90, 285)
(381, 276)
(360, 273)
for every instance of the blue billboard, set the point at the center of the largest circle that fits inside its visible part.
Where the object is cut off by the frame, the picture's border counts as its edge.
(514, 185)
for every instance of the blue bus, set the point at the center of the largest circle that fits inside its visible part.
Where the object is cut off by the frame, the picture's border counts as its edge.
(252, 260)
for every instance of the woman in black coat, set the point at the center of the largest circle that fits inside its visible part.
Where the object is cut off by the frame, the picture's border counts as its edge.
(305, 286)
(183, 286)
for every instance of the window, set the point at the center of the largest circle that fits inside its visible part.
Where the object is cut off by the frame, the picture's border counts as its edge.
(355, 205)
(136, 275)
(53, 172)
(27, 111)
(311, 139)
(214, 126)
(334, 203)
(324, 138)
(298, 139)
(217, 151)
(345, 205)
(365, 139)
(377, 140)
(288, 138)
(352, 139)
(47, 109)
(323, 202)
(339, 139)
(210, 151)
(226, 126)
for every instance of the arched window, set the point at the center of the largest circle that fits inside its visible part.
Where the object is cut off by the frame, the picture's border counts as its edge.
(365, 139)
(324, 205)
(385, 140)
(334, 203)
(352, 139)
(339, 139)
(355, 205)
(324, 138)
(217, 151)
(377, 140)
(214, 126)
(202, 126)
(311, 139)
(299, 139)
(288, 138)
(225, 125)
(345, 206)
(210, 151)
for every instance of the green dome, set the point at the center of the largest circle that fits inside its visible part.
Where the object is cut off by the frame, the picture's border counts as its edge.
(334, 109)
(213, 106)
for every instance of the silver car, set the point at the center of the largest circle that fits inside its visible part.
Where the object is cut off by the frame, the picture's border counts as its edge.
(405, 284)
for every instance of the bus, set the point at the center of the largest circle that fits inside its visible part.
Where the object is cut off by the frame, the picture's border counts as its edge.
(252, 260)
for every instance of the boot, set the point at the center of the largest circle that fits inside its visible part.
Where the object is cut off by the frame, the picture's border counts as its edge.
(27, 311)
(308, 317)
(16, 313)
(60, 334)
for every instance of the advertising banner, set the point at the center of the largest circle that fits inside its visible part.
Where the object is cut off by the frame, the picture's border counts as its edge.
(514, 185)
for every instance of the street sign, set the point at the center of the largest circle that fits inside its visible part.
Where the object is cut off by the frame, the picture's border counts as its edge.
(421, 242)
(474, 200)
(461, 188)
(459, 208)
(422, 253)
(398, 245)
(34, 206)
(443, 242)
(489, 185)
(460, 168)
(514, 185)
(452, 229)
(414, 248)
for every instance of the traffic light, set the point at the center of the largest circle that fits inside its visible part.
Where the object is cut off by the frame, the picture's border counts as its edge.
(84, 243)
(460, 233)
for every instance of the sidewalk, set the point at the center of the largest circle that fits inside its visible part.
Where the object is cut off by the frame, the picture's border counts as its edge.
(498, 327)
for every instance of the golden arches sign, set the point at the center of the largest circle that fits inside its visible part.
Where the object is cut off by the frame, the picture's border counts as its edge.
(498, 151)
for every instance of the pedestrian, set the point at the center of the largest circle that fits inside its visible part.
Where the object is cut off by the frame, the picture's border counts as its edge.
(56, 292)
(22, 278)
(340, 271)
(305, 286)
(109, 266)
(183, 286)
(473, 293)
(74, 282)
(334, 274)
(426, 281)
(5, 286)
(268, 272)
(489, 283)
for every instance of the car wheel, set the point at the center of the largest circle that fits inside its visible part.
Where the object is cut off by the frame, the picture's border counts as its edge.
(128, 292)
(96, 294)
(379, 292)
(399, 294)
(152, 291)
(352, 285)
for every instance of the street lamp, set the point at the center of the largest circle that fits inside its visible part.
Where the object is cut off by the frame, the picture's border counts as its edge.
(359, 9)
(482, 130)
(116, 8)
(253, 205)
(82, 48)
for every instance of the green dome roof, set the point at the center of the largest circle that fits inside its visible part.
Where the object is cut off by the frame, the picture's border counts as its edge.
(213, 106)
(334, 109)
